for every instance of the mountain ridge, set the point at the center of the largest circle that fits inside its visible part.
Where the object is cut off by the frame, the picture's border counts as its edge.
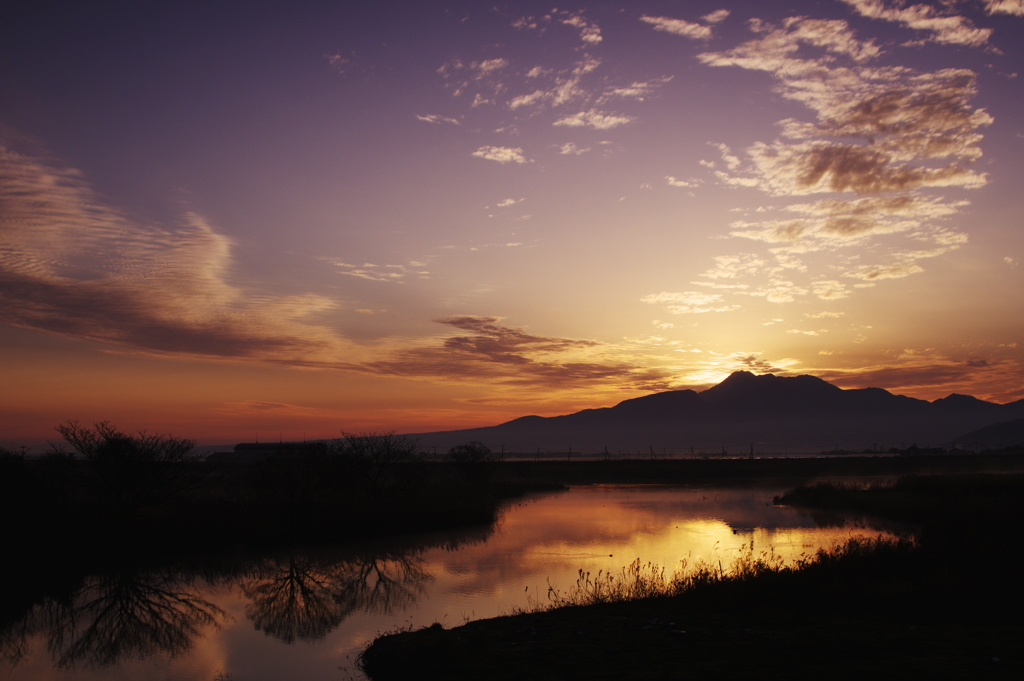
(745, 410)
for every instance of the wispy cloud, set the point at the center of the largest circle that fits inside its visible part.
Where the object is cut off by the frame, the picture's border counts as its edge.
(438, 119)
(594, 119)
(637, 90)
(941, 22)
(716, 17)
(678, 27)
(570, 148)
(397, 274)
(1005, 7)
(72, 265)
(338, 62)
(689, 302)
(675, 182)
(569, 89)
(501, 154)
(988, 373)
(589, 32)
(487, 351)
(880, 137)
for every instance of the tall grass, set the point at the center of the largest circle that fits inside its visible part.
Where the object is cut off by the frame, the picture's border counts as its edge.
(640, 580)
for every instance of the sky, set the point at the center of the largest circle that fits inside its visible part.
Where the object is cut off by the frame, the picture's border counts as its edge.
(240, 221)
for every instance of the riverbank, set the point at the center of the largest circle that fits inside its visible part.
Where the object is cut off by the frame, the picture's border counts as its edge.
(738, 470)
(945, 607)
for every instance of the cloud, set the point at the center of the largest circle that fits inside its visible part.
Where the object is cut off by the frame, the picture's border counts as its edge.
(775, 51)
(70, 264)
(778, 291)
(753, 362)
(437, 119)
(488, 66)
(678, 27)
(636, 90)
(486, 351)
(821, 167)
(501, 154)
(732, 162)
(507, 202)
(590, 33)
(897, 270)
(829, 289)
(673, 182)
(594, 119)
(905, 119)
(945, 27)
(878, 137)
(936, 373)
(564, 86)
(689, 302)
(734, 266)
(390, 273)
(718, 16)
(832, 223)
(571, 148)
(338, 62)
(1005, 7)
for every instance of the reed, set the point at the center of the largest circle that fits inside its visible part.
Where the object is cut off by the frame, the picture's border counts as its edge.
(640, 580)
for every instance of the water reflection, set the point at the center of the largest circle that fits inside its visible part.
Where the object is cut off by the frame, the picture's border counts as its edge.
(305, 598)
(297, 614)
(120, 616)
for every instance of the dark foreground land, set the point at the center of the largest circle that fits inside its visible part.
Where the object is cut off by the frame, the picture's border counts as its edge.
(945, 604)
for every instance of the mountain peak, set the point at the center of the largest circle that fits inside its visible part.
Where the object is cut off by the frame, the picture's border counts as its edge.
(744, 385)
(961, 401)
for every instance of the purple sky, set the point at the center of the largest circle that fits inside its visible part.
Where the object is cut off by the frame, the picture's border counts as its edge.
(227, 219)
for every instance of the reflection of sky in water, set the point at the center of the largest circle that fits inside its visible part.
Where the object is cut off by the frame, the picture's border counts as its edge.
(542, 540)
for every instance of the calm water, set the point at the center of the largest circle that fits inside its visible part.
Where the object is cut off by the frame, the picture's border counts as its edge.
(307, 614)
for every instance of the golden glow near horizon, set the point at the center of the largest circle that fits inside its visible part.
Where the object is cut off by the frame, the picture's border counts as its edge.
(422, 219)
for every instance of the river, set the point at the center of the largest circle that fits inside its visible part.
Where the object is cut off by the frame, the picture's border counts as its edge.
(307, 614)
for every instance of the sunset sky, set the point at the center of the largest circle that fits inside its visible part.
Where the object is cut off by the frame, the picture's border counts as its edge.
(234, 221)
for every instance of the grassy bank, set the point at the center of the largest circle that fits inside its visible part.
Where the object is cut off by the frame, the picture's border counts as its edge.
(943, 605)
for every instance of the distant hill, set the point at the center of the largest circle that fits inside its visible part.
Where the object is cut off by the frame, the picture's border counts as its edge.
(998, 435)
(771, 412)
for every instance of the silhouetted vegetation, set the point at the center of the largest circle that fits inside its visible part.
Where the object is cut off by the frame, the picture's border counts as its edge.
(475, 459)
(129, 473)
(104, 497)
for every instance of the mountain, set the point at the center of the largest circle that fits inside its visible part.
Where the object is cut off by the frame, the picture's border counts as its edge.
(767, 411)
(1003, 434)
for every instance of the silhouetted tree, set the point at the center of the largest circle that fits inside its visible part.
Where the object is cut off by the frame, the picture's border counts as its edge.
(475, 458)
(130, 472)
(381, 460)
(299, 483)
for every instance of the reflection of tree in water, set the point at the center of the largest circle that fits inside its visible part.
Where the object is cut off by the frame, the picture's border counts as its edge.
(125, 616)
(13, 642)
(305, 598)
